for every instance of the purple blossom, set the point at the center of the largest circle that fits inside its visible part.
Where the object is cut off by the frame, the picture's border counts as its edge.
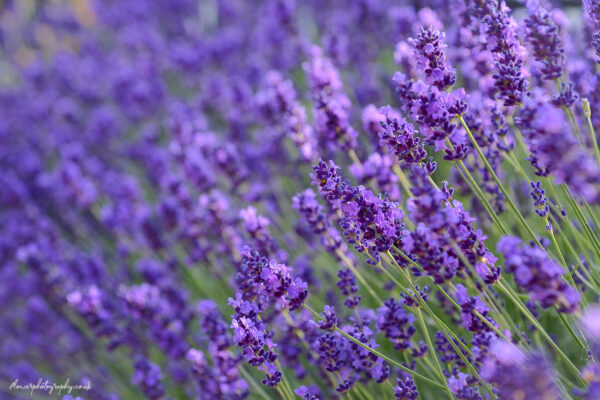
(405, 389)
(554, 149)
(369, 222)
(431, 58)
(331, 321)
(305, 394)
(544, 37)
(501, 40)
(348, 287)
(399, 137)
(539, 199)
(148, 377)
(396, 324)
(538, 274)
(515, 373)
(332, 105)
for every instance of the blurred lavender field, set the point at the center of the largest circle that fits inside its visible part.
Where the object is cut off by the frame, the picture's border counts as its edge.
(299, 199)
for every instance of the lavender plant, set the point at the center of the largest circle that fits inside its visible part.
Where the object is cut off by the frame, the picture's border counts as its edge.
(310, 200)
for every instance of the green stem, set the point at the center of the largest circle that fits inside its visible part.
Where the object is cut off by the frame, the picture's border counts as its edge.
(253, 383)
(585, 104)
(519, 304)
(582, 220)
(513, 206)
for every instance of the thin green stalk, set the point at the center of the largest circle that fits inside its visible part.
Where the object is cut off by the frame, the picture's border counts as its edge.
(508, 321)
(252, 383)
(431, 347)
(570, 328)
(491, 326)
(513, 206)
(402, 178)
(587, 112)
(582, 220)
(364, 392)
(592, 214)
(283, 396)
(468, 178)
(286, 383)
(519, 304)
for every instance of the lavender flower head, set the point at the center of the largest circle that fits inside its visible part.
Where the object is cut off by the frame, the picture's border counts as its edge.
(431, 58)
(500, 32)
(332, 104)
(538, 274)
(519, 375)
(544, 36)
(405, 389)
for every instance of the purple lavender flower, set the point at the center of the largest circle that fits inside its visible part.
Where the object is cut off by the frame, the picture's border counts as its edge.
(268, 282)
(406, 389)
(438, 225)
(329, 347)
(554, 149)
(331, 321)
(396, 324)
(567, 96)
(539, 199)
(501, 40)
(279, 102)
(377, 169)
(596, 45)
(544, 36)
(305, 394)
(591, 375)
(399, 137)
(515, 373)
(369, 222)
(431, 58)
(332, 105)
(590, 323)
(148, 377)
(592, 12)
(348, 287)
(538, 274)
(250, 333)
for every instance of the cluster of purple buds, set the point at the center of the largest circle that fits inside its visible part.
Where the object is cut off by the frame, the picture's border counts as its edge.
(148, 377)
(538, 274)
(279, 102)
(348, 287)
(251, 334)
(332, 105)
(406, 389)
(399, 137)
(554, 149)
(331, 321)
(305, 393)
(266, 282)
(434, 111)
(431, 58)
(439, 225)
(516, 374)
(501, 40)
(396, 324)
(544, 36)
(378, 169)
(540, 202)
(369, 222)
